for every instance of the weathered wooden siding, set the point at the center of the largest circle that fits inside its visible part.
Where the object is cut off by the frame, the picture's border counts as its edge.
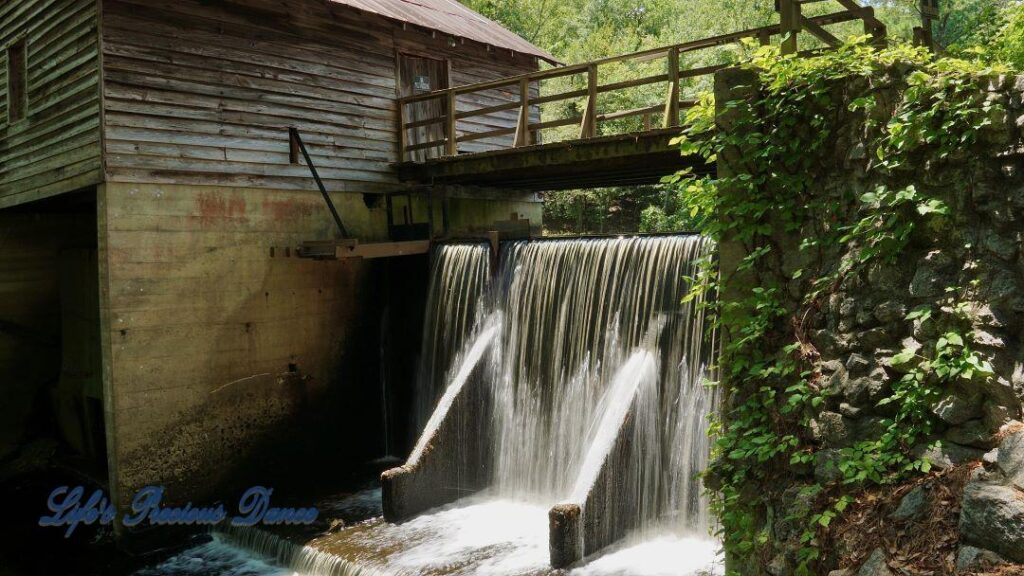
(56, 148)
(211, 347)
(202, 93)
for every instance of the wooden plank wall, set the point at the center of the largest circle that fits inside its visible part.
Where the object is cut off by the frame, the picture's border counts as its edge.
(202, 93)
(56, 148)
(212, 347)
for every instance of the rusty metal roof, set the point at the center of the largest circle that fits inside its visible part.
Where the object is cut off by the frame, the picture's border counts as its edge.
(450, 17)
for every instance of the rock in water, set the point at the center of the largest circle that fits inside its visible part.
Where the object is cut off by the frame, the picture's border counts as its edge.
(992, 517)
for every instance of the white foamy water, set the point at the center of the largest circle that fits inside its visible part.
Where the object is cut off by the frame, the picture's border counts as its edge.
(668, 555)
(481, 535)
(499, 537)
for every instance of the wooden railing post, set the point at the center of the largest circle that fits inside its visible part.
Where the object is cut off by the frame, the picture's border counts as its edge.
(874, 27)
(403, 136)
(523, 128)
(452, 141)
(588, 127)
(789, 25)
(929, 13)
(672, 100)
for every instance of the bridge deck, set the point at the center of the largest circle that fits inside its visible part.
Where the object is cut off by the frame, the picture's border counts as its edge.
(605, 145)
(619, 160)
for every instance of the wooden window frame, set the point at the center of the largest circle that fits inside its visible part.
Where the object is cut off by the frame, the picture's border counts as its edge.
(446, 66)
(418, 54)
(17, 98)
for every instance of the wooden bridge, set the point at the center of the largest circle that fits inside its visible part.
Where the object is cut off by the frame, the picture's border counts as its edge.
(569, 132)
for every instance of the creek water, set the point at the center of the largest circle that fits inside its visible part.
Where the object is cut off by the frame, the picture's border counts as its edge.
(580, 337)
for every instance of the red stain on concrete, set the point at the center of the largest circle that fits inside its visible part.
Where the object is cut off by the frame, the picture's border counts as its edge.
(286, 210)
(212, 207)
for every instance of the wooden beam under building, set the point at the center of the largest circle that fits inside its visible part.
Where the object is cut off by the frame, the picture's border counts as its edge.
(342, 249)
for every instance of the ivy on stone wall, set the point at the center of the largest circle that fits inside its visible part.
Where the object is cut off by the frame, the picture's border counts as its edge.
(892, 112)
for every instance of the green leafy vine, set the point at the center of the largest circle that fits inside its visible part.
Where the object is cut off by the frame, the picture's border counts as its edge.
(777, 136)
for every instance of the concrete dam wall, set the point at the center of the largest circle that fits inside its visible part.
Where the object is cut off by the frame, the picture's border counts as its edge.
(578, 388)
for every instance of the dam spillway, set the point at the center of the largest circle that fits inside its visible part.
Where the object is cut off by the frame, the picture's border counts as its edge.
(567, 423)
(582, 387)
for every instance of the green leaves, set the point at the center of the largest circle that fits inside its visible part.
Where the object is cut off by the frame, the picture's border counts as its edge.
(954, 359)
(922, 312)
(781, 144)
(903, 357)
(932, 206)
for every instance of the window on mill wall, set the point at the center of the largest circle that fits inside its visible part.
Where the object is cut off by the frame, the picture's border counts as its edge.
(17, 78)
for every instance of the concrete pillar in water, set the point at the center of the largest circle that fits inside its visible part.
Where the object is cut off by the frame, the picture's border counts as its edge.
(565, 536)
(606, 500)
(450, 460)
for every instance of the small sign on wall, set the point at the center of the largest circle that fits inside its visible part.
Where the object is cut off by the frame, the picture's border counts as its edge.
(421, 83)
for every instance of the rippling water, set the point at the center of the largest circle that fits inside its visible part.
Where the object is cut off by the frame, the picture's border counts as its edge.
(477, 536)
(215, 558)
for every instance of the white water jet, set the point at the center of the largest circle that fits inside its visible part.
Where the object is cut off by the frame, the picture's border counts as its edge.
(638, 372)
(466, 362)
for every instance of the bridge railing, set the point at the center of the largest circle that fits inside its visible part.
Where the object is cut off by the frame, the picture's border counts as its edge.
(579, 96)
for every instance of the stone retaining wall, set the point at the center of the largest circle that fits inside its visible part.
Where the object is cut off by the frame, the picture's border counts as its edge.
(863, 324)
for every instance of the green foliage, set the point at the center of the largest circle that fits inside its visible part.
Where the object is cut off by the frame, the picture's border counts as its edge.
(778, 142)
(602, 210)
(1008, 45)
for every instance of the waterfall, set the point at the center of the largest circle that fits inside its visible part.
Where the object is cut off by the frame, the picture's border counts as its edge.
(459, 274)
(589, 324)
(573, 379)
(593, 355)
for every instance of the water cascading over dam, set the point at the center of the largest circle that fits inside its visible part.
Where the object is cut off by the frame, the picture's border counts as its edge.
(459, 275)
(578, 387)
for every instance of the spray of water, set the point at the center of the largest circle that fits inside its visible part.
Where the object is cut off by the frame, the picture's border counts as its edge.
(464, 364)
(596, 331)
